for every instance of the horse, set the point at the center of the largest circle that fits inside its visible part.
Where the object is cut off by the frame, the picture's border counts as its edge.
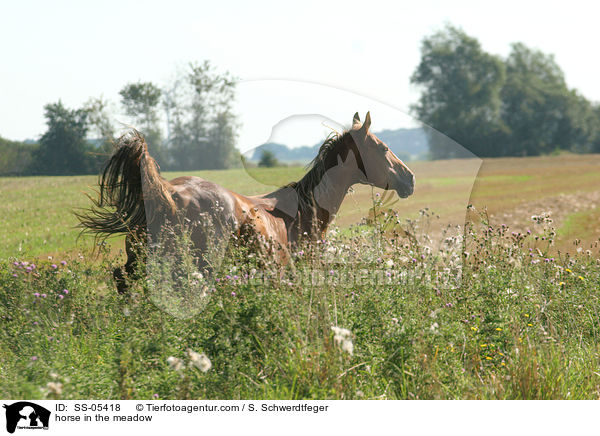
(134, 197)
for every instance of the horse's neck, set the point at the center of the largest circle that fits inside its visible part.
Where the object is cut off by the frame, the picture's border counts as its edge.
(328, 196)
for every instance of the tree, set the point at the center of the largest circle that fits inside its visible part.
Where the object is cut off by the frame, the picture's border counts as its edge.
(202, 126)
(141, 101)
(63, 148)
(268, 159)
(535, 102)
(100, 128)
(461, 95)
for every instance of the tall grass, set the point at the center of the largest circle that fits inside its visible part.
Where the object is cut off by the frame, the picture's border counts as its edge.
(482, 313)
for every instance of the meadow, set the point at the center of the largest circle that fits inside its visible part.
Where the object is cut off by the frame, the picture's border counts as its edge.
(503, 306)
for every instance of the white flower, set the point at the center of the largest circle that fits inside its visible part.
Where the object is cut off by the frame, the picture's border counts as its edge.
(200, 361)
(126, 311)
(197, 275)
(175, 363)
(390, 263)
(55, 388)
(348, 346)
(343, 338)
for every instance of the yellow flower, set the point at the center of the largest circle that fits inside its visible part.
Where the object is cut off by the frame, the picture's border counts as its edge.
(503, 364)
(474, 329)
(483, 345)
(526, 315)
(529, 324)
(488, 358)
(568, 270)
(581, 278)
(502, 354)
(561, 284)
(498, 329)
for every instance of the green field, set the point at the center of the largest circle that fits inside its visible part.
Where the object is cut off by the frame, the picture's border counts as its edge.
(517, 319)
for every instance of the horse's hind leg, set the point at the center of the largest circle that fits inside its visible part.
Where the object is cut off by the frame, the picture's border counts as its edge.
(129, 267)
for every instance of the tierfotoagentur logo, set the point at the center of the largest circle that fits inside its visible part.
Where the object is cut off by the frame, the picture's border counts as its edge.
(25, 415)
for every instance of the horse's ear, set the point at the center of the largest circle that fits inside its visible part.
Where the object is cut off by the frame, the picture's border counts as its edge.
(367, 122)
(356, 119)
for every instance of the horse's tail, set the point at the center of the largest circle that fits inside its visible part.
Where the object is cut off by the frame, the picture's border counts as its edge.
(131, 188)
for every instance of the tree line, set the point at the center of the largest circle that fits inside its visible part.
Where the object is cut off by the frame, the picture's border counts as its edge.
(492, 106)
(188, 124)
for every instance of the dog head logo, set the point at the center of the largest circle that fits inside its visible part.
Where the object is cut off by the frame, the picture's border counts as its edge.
(26, 415)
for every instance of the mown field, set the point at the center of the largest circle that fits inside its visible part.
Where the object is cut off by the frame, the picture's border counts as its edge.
(506, 309)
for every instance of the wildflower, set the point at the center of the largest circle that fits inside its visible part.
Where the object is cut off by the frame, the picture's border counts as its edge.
(43, 295)
(53, 266)
(15, 275)
(155, 396)
(34, 358)
(63, 262)
(581, 278)
(526, 315)
(448, 304)
(200, 361)
(488, 358)
(474, 328)
(61, 296)
(343, 338)
(55, 388)
(389, 263)
(65, 291)
(529, 324)
(561, 284)
(197, 275)
(175, 363)
(434, 327)
(233, 294)
(484, 345)
(126, 311)
(498, 329)
(36, 294)
(568, 270)
(348, 347)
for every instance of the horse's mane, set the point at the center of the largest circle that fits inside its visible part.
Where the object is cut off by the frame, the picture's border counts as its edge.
(335, 144)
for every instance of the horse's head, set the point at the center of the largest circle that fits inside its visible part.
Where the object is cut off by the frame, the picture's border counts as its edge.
(381, 166)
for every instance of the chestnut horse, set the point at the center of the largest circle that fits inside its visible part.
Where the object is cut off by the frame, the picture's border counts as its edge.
(135, 198)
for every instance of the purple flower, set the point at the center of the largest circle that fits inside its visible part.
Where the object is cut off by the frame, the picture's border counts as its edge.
(15, 263)
(35, 323)
(36, 294)
(61, 296)
(448, 304)
(155, 396)
(233, 294)
(53, 266)
(28, 269)
(331, 272)
(15, 275)
(33, 358)
(228, 277)
(63, 262)
(43, 295)
(66, 291)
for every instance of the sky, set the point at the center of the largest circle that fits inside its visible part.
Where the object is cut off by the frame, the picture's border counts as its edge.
(315, 57)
